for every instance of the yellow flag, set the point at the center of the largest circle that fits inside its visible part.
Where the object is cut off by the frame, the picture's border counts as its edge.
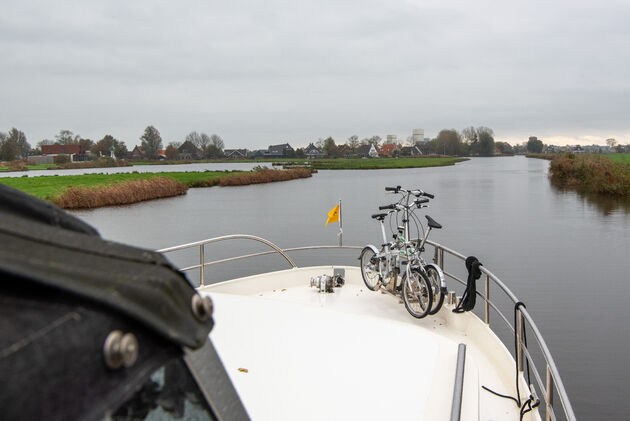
(333, 215)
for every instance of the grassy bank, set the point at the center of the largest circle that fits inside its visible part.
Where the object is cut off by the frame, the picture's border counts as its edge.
(334, 164)
(26, 166)
(592, 174)
(382, 163)
(116, 189)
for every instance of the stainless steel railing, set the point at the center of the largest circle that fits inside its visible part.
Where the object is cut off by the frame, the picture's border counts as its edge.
(553, 381)
(552, 385)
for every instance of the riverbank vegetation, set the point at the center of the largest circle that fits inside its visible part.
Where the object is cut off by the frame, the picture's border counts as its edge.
(94, 190)
(592, 173)
(382, 163)
(131, 191)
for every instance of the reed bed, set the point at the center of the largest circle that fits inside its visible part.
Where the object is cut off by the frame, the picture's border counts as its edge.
(131, 191)
(591, 173)
(264, 176)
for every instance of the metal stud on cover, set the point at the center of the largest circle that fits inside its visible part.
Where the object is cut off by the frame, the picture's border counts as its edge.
(202, 307)
(120, 349)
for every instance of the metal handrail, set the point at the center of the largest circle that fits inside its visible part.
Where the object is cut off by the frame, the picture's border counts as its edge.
(201, 244)
(552, 381)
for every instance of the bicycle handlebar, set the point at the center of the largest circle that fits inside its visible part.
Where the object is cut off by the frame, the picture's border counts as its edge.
(416, 193)
(387, 207)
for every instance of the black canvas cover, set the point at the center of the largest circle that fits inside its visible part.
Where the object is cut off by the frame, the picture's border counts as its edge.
(51, 248)
(63, 289)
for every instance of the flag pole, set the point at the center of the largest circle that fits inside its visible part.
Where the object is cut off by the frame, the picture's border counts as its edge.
(340, 226)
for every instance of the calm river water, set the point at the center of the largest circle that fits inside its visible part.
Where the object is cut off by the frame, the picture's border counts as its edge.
(565, 255)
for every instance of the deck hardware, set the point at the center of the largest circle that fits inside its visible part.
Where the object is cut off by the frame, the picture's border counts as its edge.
(486, 299)
(549, 395)
(202, 261)
(458, 388)
(452, 298)
(327, 283)
(202, 307)
(519, 335)
(120, 349)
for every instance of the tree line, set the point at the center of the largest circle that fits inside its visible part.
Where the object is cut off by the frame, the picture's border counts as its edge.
(14, 145)
(471, 141)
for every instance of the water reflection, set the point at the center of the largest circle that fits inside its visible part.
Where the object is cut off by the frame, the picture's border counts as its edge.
(607, 205)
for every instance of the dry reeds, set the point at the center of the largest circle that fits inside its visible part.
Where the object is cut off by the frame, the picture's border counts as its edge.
(120, 194)
(590, 173)
(263, 176)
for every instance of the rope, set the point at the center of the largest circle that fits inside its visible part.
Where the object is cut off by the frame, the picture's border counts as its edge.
(530, 403)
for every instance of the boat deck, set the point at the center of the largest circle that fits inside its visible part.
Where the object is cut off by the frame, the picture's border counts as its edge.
(295, 353)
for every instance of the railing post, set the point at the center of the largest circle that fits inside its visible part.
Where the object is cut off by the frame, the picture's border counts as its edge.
(442, 259)
(487, 299)
(202, 261)
(519, 338)
(549, 396)
(435, 255)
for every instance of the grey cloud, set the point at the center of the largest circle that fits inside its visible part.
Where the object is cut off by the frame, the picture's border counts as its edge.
(258, 72)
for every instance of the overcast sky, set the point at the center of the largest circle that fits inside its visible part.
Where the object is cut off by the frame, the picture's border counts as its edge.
(259, 73)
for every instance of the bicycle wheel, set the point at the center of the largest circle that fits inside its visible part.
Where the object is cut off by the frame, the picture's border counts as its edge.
(436, 289)
(417, 294)
(370, 269)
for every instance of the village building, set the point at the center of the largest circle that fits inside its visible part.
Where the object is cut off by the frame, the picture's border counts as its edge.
(388, 150)
(312, 151)
(410, 151)
(235, 153)
(74, 152)
(280, 151)
(189, 151)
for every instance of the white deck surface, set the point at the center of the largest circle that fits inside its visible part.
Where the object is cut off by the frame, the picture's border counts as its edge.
(294, 353)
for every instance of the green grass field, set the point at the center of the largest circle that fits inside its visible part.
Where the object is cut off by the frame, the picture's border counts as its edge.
(31, 167)
(48, 187)
(382, 163)
(619, 157)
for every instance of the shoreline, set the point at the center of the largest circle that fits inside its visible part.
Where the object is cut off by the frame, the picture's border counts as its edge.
(89, 191)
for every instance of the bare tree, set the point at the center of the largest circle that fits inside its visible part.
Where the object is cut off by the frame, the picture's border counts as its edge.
(353, 142)
(204, 142)
(66, 137)
(194, 138)
(611, 142)
(470, 135)
(217, 142)
(374, 140)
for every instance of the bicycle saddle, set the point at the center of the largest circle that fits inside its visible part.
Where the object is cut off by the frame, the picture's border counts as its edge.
(379, 216)
(432, 222)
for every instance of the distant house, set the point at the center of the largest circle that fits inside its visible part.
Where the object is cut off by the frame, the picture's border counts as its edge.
(388, 149)
(257, 154)
(280, 151)
(344, 151)
(372, 153)
(137, 153)
(189, 151)
(312, 151)
(161, 155)
(410, 151)
(235, 153)
(74, 152)
(363, 151)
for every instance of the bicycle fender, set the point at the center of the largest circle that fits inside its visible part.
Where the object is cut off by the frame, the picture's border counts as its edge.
(370, 246)
(439, 271)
